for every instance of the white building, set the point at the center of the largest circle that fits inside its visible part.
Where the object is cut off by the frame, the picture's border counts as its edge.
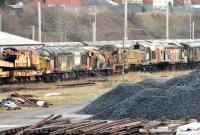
(161, 4)
(135, 1)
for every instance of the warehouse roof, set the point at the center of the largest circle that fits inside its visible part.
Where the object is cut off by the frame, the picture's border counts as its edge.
(67, 44)
(7, 39)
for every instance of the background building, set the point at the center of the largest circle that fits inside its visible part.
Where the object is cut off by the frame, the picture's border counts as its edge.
(148, 2)
(62, 2)
(161, 4)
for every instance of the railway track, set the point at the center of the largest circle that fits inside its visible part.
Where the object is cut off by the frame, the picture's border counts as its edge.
(55, 125)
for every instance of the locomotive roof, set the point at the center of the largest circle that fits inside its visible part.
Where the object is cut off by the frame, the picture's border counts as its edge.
(59, 49)
(64, 44)
(193, 44)
(153, 44)
(19, 48)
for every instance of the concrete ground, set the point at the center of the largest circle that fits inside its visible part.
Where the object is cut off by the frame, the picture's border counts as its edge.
(22, 118)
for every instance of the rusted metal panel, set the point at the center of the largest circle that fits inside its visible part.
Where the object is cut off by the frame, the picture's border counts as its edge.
(165, 53)
(4, 74)
(34, 58)
(65, 59)
(22, 58)
(135, 57)
(25, 73)
(79, 60)
(70, 61)
(50, 66)
(101, 61)
(60, 62)
(6, 64)
(147, 49)
(194, 54)
(64, 62)
(153, 55)
(158, 53)
(109, 58)
(46, 65)
(43, 64)
(175, 56)
(1, 54)
(91, 60)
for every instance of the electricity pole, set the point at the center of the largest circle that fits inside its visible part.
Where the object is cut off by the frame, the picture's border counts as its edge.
(39, 22)
(190, 26)
(95, 24)
(193, 30)
(33, 32)
(125, 33)
(125, 20)
(167, 21)
(0, 22)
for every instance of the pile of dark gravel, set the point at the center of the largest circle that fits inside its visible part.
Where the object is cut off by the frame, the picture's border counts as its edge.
(176, 98)
(108, 100)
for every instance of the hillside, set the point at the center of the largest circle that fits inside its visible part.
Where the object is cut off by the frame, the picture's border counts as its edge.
(179, 24)
(59, 25)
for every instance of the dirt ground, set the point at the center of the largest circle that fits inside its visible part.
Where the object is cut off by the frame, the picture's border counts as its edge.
(69, 100)
(71, 94)
(67, 94)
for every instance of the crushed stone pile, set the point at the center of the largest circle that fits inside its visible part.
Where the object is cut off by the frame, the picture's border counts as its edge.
(150, 99)
(108, 100)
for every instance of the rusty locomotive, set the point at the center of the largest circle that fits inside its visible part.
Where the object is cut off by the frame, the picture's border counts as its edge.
(52, 63)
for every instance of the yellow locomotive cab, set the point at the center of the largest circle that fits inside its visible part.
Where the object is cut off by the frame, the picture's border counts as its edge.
(135, 57)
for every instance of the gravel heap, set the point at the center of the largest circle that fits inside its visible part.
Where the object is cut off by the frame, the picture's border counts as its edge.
(176, 98)
(109, 99)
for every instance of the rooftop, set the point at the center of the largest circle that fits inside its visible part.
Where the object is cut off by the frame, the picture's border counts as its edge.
(95, 2)
(7, 39)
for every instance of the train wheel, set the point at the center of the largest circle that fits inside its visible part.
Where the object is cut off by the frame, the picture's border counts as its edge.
(2, 81)
(61, 77)
(109, 72)
(44, 79)
(29, 79)
(20, 80)
(24, 80)
(17, 80)
(66, 76)
(53, 78)
(38, 79)
(73, 75)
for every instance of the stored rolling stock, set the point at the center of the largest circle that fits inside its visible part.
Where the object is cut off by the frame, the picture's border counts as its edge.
(52, 63)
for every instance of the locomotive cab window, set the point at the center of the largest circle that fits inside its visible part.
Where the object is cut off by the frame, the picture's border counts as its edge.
(153, 55)
(164, 55)
(136, 47)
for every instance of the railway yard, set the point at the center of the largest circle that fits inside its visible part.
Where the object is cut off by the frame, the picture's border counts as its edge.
(102, 88)
(70, 100)
(99, 67)
(33, 61)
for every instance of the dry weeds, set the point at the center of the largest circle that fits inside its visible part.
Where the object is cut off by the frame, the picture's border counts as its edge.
(87, 92)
